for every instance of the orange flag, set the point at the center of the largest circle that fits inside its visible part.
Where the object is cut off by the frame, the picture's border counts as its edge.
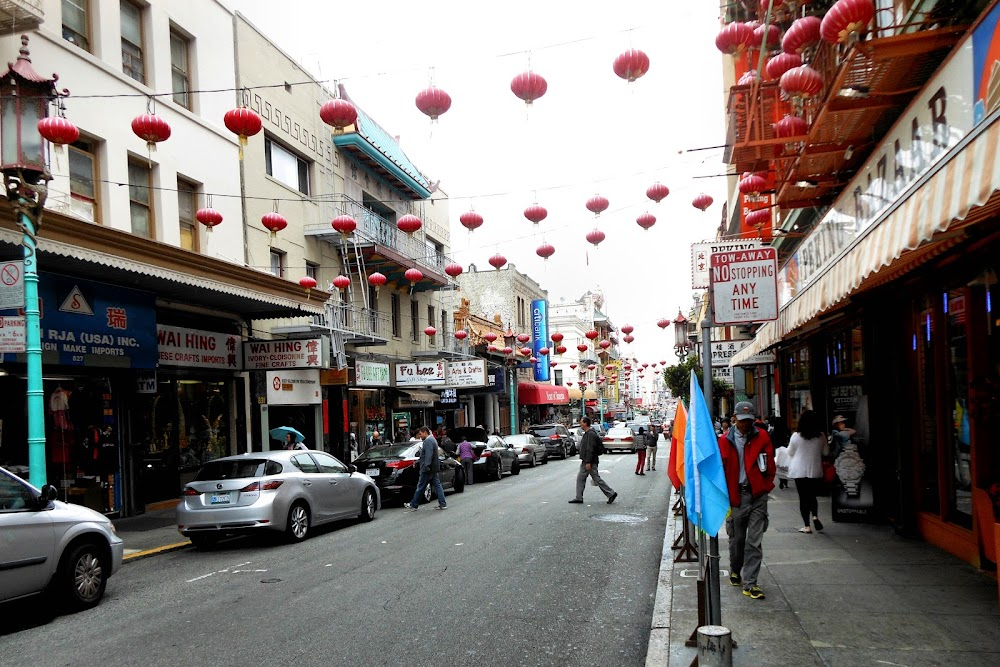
(677, 442)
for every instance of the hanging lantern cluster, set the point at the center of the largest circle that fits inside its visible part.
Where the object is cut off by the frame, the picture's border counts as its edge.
(802, 37)
(758, 218)
(752, 184)
(780, 64)
(734, 38)
(748, 78)
(801, 83)
(768, 38)
(846, 20)
(791, 126)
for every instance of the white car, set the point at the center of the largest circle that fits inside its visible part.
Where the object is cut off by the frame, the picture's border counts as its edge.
(46, 544)
(619, 438)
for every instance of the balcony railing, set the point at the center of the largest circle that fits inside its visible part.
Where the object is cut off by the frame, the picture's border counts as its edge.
(357, 323)
(20, 16)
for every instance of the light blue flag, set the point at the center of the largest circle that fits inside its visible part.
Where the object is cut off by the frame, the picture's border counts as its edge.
(706, 492)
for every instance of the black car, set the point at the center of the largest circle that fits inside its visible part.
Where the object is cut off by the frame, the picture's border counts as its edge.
(494, 456)
(557, 438)
(395, 468)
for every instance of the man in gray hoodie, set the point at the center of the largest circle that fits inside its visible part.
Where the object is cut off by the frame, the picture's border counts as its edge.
(430, 466)
(590, 449)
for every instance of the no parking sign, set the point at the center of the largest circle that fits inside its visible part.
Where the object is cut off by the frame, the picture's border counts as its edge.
(745, 286)
(11, 285)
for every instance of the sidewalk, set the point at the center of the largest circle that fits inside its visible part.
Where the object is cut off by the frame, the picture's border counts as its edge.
(855, 594)
(150, 533)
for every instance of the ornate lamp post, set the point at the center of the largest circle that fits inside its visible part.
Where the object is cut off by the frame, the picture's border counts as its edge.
(682, 346)
(511, 343)
(24, 101)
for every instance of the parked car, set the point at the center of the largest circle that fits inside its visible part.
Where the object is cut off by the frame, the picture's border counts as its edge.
(495, 456)
(557, 438)
(67, 549)
(529, 449)
(396, 470)
(285, 490)
(620, 438)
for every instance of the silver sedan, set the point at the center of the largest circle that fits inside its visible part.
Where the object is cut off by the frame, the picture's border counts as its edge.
(530, 450)
(288, 491)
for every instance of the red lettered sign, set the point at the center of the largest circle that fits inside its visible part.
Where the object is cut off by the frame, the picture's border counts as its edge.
(745, 286)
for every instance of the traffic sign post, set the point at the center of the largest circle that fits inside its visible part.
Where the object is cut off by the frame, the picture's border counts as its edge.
(745, 286)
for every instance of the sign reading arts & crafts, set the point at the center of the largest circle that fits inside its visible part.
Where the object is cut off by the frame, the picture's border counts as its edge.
(467, 373)
(420, 374)
(294, 387)
(371, 374)
(275, 354)
(744, 286)
(194, 348)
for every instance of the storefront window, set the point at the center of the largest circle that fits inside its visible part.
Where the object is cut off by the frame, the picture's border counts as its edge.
(844, 353)
(954, 303)
(799, 393)
(923, 347)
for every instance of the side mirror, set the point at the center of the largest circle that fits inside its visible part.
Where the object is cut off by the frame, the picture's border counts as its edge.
(49, 493)
(351, 468)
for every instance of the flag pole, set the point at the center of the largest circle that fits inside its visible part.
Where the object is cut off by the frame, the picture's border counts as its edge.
(715, 591)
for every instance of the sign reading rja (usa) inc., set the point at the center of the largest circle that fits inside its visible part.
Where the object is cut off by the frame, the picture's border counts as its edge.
(745, 286)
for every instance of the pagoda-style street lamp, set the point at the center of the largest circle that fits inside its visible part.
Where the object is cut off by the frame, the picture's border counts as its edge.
(511, 342)
(24, 101)
(682, 346)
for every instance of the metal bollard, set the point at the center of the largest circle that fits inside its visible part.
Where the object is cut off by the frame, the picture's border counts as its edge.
(715, 646)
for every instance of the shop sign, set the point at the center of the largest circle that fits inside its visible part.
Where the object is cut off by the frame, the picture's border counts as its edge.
(333, 377)
(274, 354)
(495, 380)
(371, 374)
(540, 337)
(761, 358)
(84, 323)
(12, 284)
(744, 286)
(145, 382)
(448, 397)
(468, 373)
(724, 373)
(293, 387)
(12, 337)
(701, 252)
(420, 374)
(194, 348)
(723, 351)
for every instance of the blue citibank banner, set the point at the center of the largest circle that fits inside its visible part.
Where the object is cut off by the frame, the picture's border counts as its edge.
(540, 337)
(86, 323)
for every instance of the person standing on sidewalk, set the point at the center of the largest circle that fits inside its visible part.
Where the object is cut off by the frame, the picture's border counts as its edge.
(467, 456)
(591, 448)
(640, 449)
(652, 439)
(430, 466)
(806, 450)
(748, 459)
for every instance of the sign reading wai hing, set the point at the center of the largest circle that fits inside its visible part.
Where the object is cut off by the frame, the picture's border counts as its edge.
(194, 348)
(468, 373)
(420, 374)
(274, 354)
(745, 286)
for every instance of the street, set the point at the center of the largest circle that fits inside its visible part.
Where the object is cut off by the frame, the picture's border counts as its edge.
(509, 575)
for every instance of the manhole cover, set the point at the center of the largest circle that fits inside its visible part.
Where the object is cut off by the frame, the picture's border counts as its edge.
(620, 518)
(272, 580)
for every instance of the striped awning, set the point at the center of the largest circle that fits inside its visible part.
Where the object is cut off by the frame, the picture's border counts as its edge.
(961, 182)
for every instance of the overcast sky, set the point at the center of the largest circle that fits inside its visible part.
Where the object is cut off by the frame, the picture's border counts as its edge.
(591, 133)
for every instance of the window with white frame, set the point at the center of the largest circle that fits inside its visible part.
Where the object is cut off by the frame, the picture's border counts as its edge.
(180, 68)
(278, 263)
(140, 195)
(76, 22)
(285, 166)
(131, 25)
(83, 190)
(187, 206)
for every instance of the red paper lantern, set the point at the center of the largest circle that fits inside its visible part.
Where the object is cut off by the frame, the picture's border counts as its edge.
(497, 261)
(734, 38)
(759, 217)
(605, 344)
(273, 222)
(645, 365)
(461, 334)
(657, 192)
(609, 367)
(533, 360)
(492, 348)
(526, 351)
(341, 282)
(561, 349)
(57, 130)
(663, 324)
(528, 86)
(307, 283)
(545, 250)
(344, 224)
(597, 204)
(569, 383)
(627, 329)
(543, 351)
(791, 126)
(150, 128)
(433, 102)
(409, 224)
(338, 114)
(471, 220)
(631, 65)
(629, 338)
(802, 35)
(243, 123)
(430, 331)
(752, 184)
(663, 363)
(208, 217)
(702, 201)
(454, 269)
(557, 337)
(748, 78)
(846, 19)
(592, 335)
(553, 364)
(595, 236)
(508, 350)
(768, 39)
(413, 275)
(376, 280)
(523, 338)
(802, 82)
(628, 367)
(582, 347)
(490, 337)
(592, 366)
(780, 64)
(573, 366)
(646, 220)
(535, 213)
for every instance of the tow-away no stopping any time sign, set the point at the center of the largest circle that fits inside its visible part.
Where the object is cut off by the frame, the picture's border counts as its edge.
(745, 286)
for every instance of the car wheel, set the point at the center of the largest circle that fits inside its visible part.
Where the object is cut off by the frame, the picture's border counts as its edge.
(298, 522)
(203, 542)
(565, 452)
(367, 505)
(515, 467)
(459, 484)
(533, 461)
(83, 575)
(498, 473)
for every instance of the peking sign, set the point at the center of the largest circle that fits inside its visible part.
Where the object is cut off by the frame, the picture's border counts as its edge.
(744, 286)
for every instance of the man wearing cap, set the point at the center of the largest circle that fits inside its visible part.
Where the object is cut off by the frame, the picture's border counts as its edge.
(748, 459)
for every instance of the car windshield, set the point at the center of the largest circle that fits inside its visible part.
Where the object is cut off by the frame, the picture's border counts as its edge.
(542, 431)
(387, 452)
(518, 439)
(620, 433)
(231, 469)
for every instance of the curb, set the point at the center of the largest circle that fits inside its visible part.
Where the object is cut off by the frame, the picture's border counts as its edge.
(658, 649)
(146, 553)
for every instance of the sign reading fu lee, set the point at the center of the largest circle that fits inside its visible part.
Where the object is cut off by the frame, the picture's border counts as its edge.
(420, 373)
(744, 286)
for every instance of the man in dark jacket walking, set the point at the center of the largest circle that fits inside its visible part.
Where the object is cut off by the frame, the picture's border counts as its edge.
(430, 465)
(652, 440)
(590, 448)
(748, 459)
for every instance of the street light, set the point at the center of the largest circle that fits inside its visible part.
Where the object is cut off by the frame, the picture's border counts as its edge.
(510, 361)
(24, 101)
(682, 346)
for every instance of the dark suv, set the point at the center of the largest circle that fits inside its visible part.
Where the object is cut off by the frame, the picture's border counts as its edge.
(557, 439)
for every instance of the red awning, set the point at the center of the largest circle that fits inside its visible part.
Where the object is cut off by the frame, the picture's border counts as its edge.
(537, 393)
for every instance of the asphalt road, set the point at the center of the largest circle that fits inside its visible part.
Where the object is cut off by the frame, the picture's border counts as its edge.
(509, 575)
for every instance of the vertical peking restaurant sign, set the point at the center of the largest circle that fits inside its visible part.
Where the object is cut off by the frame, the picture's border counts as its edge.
(745, 286)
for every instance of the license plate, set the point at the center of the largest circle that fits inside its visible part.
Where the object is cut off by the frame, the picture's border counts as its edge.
(372, 472)
(220, 499)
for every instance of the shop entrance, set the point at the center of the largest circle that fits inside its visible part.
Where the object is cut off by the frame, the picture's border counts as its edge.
(300, 417)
